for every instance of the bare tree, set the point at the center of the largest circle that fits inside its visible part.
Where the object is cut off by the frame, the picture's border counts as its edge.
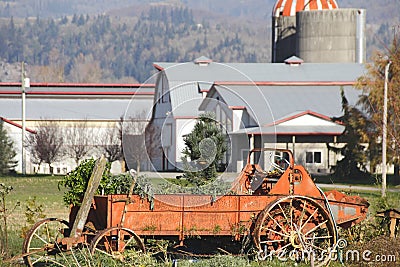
(78, 140)
(85, 69)
(153, 141)
(128, 141)
(110, 143)
(135, 131)
(141, 141)
(133, 140)
(46, 145)
(53, 72)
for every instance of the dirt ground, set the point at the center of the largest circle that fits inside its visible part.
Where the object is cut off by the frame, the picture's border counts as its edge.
(380, 251)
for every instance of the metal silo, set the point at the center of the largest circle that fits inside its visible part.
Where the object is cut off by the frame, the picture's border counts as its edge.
(284, 24)
(328, 36)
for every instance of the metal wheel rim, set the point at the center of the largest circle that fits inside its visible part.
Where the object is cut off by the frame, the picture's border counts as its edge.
(297, 225)
(42, 237)
(114, 241)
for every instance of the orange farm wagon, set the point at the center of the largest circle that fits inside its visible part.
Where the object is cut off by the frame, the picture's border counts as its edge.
(280, 210)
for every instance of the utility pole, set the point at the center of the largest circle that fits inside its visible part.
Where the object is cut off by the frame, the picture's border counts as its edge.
(24, 83)
(384, 129)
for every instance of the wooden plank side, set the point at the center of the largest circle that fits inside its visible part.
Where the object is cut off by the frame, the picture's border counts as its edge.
(254, 203)
(208, 223)
(93, 184)
(203, 203)
(154, 222)
(187, 215)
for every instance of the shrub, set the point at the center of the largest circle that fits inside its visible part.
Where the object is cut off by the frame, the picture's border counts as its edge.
(33, 212)
(77, 181)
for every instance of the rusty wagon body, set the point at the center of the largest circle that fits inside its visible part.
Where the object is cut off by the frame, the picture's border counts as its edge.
(280, 209)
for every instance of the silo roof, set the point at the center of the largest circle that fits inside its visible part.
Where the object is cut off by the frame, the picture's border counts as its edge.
(291, 7)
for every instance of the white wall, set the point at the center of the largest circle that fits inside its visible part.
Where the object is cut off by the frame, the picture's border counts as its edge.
(183, 127)
(65, 164)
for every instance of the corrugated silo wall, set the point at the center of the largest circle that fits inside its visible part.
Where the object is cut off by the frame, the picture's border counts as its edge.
(283, 38)
(327, 36)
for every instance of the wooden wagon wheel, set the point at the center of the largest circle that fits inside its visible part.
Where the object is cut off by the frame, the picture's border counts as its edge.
(40, 246)
(295, 227)
(114, 241)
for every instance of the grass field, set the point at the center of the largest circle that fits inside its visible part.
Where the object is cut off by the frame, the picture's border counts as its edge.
(45, 190)
(371, 180)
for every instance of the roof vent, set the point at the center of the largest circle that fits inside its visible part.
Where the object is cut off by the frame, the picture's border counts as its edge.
(202, 61)
(293, 61)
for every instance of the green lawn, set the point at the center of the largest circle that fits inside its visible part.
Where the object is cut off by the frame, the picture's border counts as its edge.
(372, 180)
(45, 190)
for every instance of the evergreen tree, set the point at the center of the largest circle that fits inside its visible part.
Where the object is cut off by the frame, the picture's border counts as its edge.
(205, 147)
(353, 163)
(7, 152)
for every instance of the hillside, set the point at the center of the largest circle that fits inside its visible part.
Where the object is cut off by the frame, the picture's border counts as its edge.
(383, 11)
(117, 41)
(106, 48)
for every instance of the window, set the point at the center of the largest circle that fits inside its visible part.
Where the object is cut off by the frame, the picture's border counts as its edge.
(313, 157)
(309, 157)
(317, 157)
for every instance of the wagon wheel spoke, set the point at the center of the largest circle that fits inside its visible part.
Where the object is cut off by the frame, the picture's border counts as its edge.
(40, 244)
(291, 214)
(316, 227)
(282, 248)
(280, 226)
(302, 213)
(295, 223)
(47, 231)
(309, 218)
(114, 241)
(319, 248)
(272, 241)
(319, 237)
(38, 260)
(106, 244)
(283, 212)
(41, 239)
(278, 233)
(132, 239)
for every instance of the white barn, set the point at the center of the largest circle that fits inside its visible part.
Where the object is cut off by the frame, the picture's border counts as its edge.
(287, 105)
(99, 105)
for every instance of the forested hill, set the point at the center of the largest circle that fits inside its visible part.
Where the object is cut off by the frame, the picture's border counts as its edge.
(104, 48)
(118, 40)
(379, 12)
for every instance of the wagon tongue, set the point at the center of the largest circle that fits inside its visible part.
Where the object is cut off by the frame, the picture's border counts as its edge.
(347, 210)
